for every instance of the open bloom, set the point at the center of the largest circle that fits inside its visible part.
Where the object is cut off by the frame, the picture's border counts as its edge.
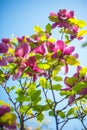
(23, 50)
(65, 14)
(65, 49)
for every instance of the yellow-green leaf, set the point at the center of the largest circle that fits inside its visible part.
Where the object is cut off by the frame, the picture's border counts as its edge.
(81, 33)
(83, 71)
(38, 29)
(71, 60)
(8, 118)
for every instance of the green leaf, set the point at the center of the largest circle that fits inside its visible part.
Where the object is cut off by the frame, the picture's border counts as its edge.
(44, 66)
(23, 99)
(70, 112)
(71, 60)
(57, 78)
(55, 71)
(61, 114)
(83, 71)
(43, 82)
(53, 18)
(71, 80)
(51, 113)
(56, 87)
(66, 93)
(40, 117)
(31, 88)
(79, 86)
(48, 28)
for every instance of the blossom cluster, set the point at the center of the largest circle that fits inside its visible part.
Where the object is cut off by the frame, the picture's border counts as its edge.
(66, 20)
(7, 119)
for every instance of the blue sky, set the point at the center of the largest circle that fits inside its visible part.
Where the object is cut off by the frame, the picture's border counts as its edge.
(18, 17)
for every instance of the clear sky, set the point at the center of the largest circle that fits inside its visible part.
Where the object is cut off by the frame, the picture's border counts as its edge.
(18, 17)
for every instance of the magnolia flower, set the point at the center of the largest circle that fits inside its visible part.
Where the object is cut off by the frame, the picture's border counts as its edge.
(23, 50)
(42, 49)
(31, 61)
(60, 45)
(5, 40)
(4, 109)
(64, 14)
(3, 48)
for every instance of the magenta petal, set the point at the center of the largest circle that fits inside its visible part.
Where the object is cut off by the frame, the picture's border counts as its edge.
(41, 49)
(3, 62)
(11, 127)
(59, 45)
(76, 55)
(31, 61)
(18, 74)
(37, 70)
(54, 25)
(83, 92)
(4, 109)
(23, 50)
(9, 59)
(71, 99)
(66, 69)
(3, 48)
(50, 46)
(68, 50)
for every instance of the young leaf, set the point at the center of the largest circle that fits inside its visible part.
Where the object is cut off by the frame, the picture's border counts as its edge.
(70, 112)
(81, 33)
(83, 71)
(48, 28)
(56, 87)
(51, 113)
(43, 82)
(71, 60)
(57, 78)
(40, 117)
(43, 66)
(61, 114)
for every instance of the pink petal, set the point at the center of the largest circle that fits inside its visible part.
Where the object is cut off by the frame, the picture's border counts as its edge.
(3, 48)
(37, 70)
(65, 69)
(54, 25)
(41, 49)
(23, 50)
(5, 40)
(59, 45)
(71, 100)
(4, 109)
(31, 61)
(68, 50)
(9, 59)
(83, 92)
(18, 74)
(50, 46)
(3, 62)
